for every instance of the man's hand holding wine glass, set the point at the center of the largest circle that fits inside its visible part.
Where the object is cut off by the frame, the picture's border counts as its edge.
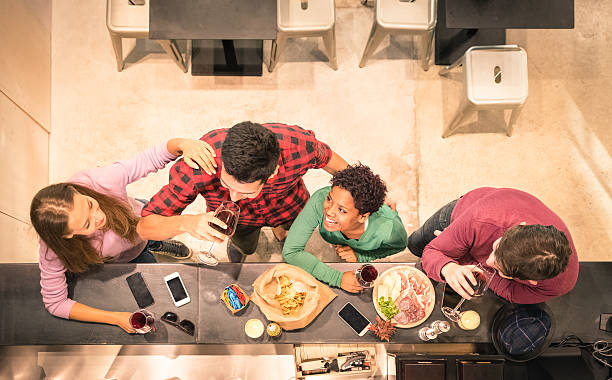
(462, 278)
(198, 226)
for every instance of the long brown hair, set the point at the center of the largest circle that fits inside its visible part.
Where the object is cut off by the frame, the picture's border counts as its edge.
(49, 216)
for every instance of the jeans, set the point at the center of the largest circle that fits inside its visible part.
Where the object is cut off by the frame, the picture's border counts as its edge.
(438, 221)
(246, 238)
(145, 256)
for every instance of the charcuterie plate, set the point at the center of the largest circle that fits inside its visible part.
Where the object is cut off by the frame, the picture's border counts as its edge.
(410, 290)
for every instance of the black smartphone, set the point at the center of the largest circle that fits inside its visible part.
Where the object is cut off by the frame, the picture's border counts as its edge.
(357, 321)
(139, 290)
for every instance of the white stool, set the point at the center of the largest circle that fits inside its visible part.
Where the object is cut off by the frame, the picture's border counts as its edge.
(305, 18)
(416, 17)
(124, 20)
(495, 78)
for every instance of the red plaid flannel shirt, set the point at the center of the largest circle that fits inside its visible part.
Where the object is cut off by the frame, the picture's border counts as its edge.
(282, 197)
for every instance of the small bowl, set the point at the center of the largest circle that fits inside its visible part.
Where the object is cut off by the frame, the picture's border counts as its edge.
(254, 328)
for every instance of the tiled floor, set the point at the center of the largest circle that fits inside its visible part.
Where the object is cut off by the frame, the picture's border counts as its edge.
(388, 115)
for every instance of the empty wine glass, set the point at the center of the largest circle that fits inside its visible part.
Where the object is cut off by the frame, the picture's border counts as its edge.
(483, 276)
(228, 212)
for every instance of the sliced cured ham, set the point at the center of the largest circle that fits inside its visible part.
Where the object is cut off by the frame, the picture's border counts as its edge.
(412, 293)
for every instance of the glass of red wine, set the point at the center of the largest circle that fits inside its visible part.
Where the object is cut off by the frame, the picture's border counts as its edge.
(228, 212)
(366, 275)
(142, 321)
(483, 275)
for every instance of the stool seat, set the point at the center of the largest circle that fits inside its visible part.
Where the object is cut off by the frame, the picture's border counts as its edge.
(409, 15)
(318, 16)
(125, 20)
(496, 76)
(416, 17)
(122, 17)
(318, 19)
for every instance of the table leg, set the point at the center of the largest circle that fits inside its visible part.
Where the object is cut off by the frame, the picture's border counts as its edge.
(229, 50)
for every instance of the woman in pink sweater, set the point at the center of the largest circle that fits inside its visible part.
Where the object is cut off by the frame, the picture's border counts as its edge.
(91, 220)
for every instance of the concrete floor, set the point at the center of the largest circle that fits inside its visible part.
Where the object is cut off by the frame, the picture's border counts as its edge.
(389, 115)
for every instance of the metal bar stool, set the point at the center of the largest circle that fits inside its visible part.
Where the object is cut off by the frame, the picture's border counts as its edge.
(416, 17)
(125, 20)
(495, 78)
(303, 18)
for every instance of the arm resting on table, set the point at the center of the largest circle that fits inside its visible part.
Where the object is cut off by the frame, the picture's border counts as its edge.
(86, 313)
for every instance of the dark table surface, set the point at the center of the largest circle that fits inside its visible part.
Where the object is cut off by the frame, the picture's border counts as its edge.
(24, 320)
(522, 14)
(452, 43)
(212, 19)
(462, 24)
(327, 327)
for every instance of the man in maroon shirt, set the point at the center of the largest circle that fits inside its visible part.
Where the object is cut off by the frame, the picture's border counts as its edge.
(260, 168)
(510, 231)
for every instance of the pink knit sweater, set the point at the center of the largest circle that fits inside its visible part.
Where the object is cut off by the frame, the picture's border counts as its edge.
(111, 180)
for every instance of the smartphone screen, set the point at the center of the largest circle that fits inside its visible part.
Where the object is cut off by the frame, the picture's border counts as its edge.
(354, 318)
(176, 289)
(139, 290)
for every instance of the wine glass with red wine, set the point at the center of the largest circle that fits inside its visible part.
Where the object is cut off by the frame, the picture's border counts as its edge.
(366, 275)
(228, 212)
(142, 321)
(483, 275)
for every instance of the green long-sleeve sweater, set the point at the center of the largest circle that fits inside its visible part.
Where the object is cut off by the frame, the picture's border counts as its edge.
(384, 236)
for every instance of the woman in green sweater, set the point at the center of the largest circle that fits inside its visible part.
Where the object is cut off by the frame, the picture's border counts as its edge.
(351, 215)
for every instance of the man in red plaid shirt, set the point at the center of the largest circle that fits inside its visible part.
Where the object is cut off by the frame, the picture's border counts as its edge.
(261, 169)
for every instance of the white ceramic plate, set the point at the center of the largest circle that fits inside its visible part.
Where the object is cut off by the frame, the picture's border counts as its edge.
(389, 284)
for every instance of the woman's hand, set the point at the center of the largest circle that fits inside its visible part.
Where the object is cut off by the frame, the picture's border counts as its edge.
(198, 152)
(346, 253)
(457, 277)
(349, 283)
(198, 227)
(122, 319)
(195, 152)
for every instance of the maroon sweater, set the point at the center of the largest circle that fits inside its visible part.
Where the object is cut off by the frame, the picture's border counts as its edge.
(482, 216)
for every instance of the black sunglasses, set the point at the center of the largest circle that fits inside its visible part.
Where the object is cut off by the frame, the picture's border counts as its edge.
(184, 325)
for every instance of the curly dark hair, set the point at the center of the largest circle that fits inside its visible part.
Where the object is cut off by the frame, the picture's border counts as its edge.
(367, 189)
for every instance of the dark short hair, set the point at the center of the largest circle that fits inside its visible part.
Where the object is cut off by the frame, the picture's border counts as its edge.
(250, 152)
(533, 252)
(366, 188)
